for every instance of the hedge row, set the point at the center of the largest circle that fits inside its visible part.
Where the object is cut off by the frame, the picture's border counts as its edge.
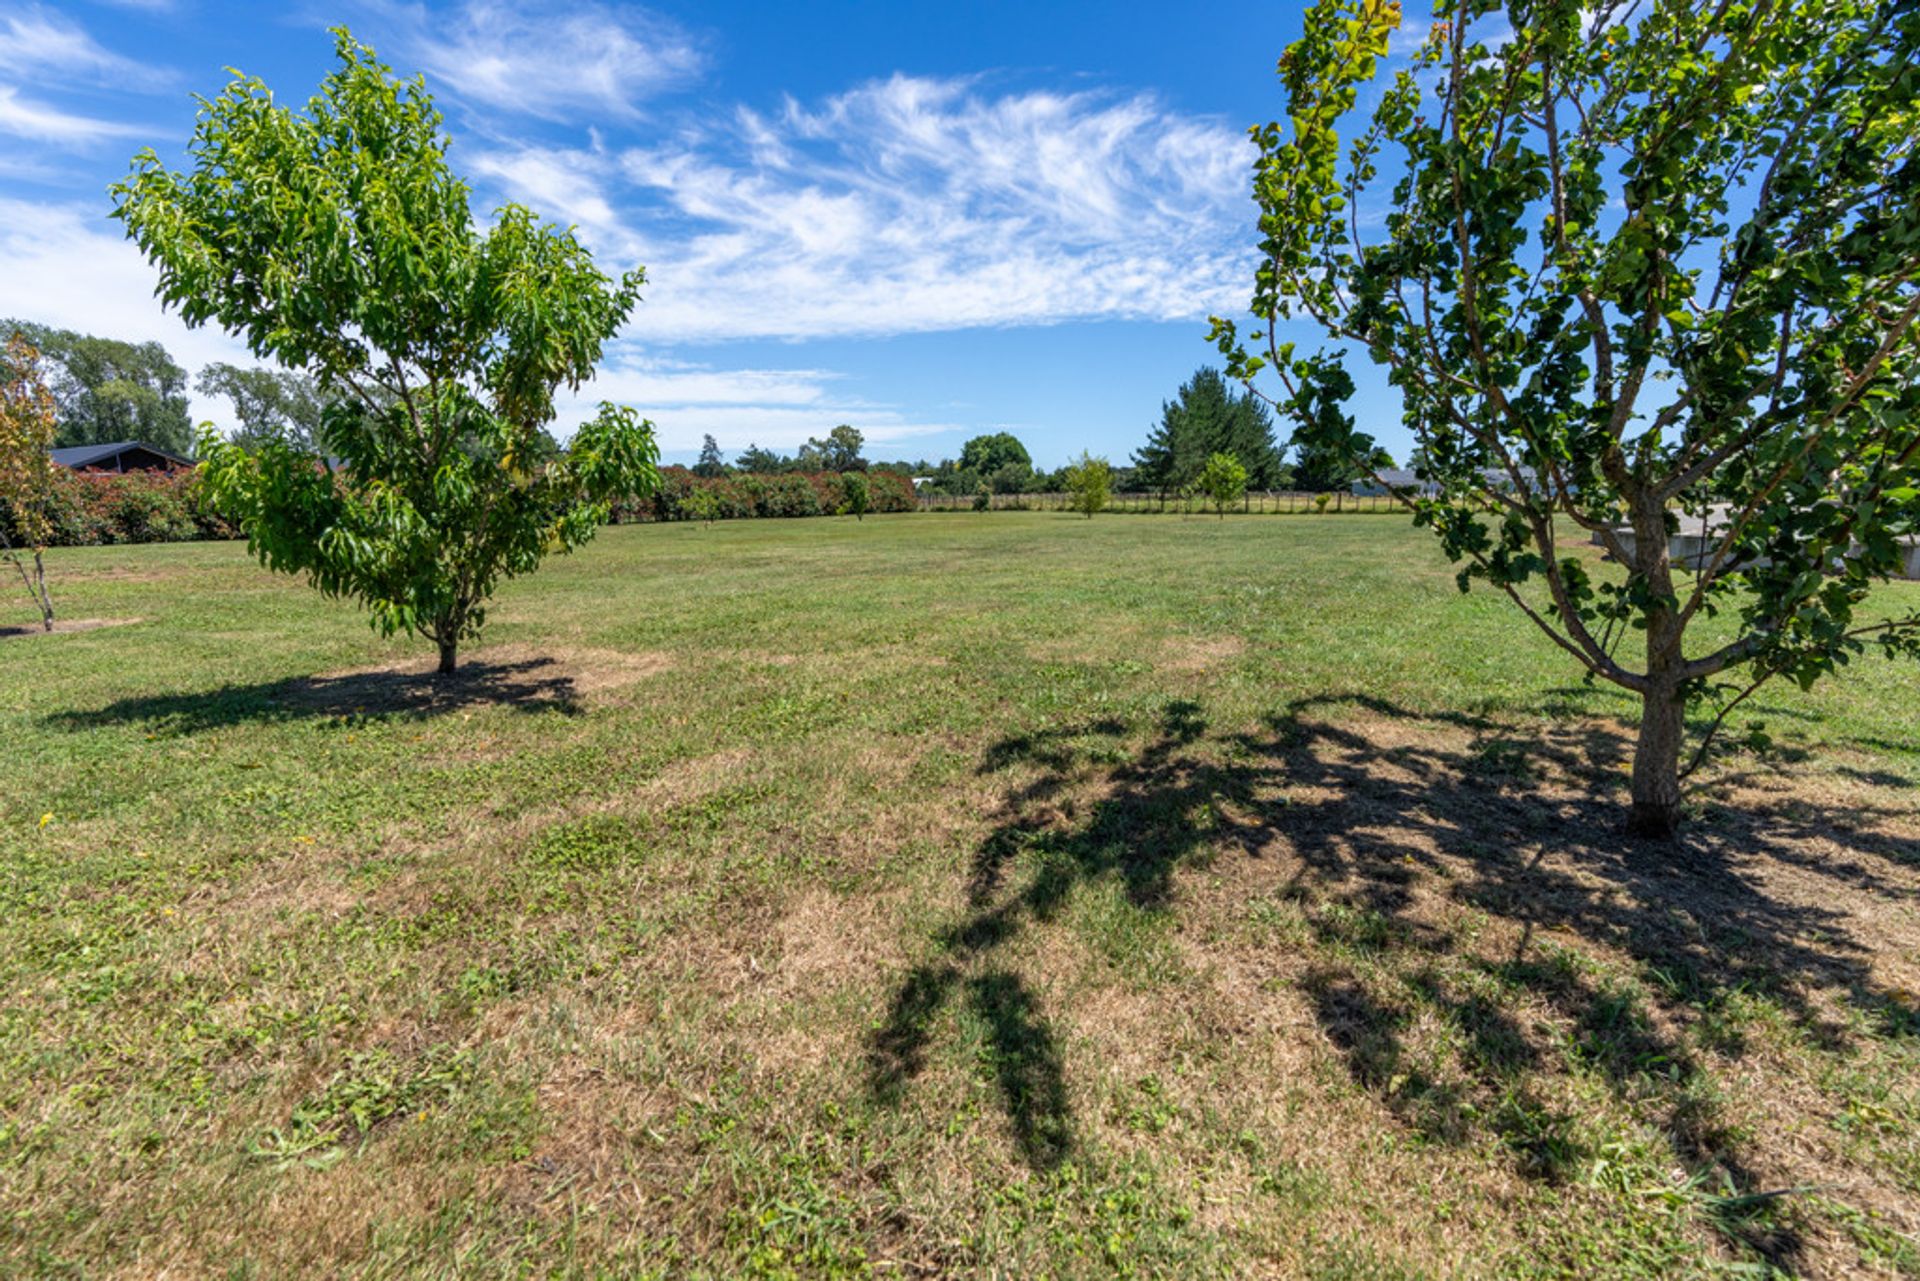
(787, 494)
(91, 509)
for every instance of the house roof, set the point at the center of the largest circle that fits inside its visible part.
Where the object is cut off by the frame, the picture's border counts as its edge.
(78, 456)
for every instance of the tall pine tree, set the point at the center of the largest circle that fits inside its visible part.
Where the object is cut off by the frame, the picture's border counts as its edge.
(1206, 417)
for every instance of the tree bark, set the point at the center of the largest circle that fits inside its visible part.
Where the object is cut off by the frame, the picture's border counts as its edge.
(40, 585)
(1656, 765)
(448, 656)
(1656, 757)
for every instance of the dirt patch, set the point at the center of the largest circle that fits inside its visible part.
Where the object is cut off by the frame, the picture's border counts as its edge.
(66, 626)
(1199, 654)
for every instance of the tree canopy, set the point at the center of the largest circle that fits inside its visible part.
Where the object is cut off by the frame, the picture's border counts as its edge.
(1222, 480)
(1627, 265)
(338, 242)
(271, 404)
(1208, 416)
(107, 389)
(711, 463)
(840, 451)
(1090, 481)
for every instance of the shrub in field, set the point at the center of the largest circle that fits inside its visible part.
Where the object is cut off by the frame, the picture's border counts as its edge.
(338, 242)
(1661, 257)
(790, 495)
(90, 509)
(1090, 483)
(27, 424)
(1223, 480)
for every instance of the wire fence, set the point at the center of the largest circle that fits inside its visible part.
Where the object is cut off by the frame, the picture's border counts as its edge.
(1265, 502)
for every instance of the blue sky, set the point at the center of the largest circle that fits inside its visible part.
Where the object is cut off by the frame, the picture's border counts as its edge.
(928, 221)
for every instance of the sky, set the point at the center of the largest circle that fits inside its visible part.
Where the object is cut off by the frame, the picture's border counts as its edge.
(926, 221)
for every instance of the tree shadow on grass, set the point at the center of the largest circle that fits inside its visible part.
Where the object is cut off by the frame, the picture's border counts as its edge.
(528, 685)
(1454, 872)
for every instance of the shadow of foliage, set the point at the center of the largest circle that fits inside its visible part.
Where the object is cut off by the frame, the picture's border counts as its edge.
(529, 685)
(1391, 831)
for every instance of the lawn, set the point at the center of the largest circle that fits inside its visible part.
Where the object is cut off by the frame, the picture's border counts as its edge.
(1001, 894)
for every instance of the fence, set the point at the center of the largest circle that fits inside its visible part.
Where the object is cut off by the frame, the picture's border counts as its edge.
(1272, 503)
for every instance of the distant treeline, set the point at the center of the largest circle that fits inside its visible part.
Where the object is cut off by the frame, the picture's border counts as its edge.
(107, 389)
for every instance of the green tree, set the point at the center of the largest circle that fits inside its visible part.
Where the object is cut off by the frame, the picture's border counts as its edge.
(1090, 481)
(1658, 260)
(338, 242)
(27, 425)
(701, 503)
(756, 461)
(711, 464)
(1206, 417)
(857, 493)
(271, 404)
(999, 460)
(1223, 480)
(840, 451)
(106, 390)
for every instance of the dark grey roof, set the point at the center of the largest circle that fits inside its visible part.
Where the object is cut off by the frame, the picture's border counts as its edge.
(77, 456)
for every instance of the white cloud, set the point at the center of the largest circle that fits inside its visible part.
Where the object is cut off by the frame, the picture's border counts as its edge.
(549, 59)
(773, 408)
(68, 266)
(36, 43)
(909, 205)
(39, 122)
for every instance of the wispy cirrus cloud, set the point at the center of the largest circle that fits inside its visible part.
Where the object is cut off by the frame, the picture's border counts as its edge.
(69, 267)
(558, 61)
(912, 204)
(43, 123)
(774, 408)
(39, 43)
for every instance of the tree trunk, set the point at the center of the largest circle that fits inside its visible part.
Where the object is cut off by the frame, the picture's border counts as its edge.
(1656, 765)
(1656, 757)
(40, 589)
(448, 655)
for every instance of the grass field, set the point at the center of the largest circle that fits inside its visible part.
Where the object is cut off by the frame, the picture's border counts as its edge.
(938, 894)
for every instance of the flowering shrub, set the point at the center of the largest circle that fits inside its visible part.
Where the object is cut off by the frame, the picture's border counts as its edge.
(90, 509)
(786, 494)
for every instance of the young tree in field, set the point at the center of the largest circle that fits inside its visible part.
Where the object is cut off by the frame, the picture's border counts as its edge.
(857, 493)
(27, 425)
(702, 504)
(1223, 480)
(337, 241)
(711, 464)
(1090, 482)
(1627, 264)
